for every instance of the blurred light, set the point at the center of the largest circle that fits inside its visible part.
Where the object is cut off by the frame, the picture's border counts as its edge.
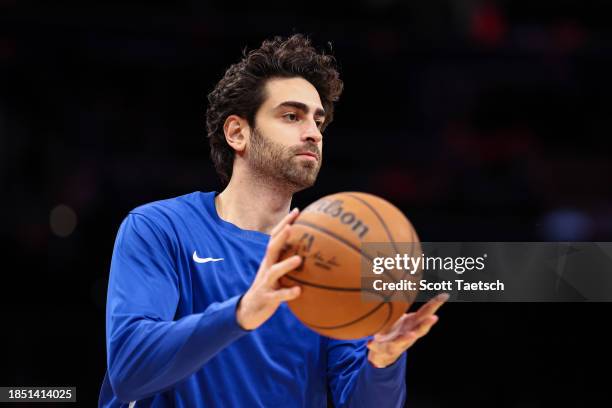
(567, 225)
(63, 220)
(7, 48)
(488, 24)
(569, 36)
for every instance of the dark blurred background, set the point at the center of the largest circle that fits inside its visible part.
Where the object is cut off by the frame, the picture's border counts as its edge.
(482, 120)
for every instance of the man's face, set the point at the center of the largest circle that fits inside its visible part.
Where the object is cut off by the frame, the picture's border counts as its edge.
(286, 144)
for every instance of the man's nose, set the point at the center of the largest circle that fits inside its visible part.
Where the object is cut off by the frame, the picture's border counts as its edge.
(312, 133)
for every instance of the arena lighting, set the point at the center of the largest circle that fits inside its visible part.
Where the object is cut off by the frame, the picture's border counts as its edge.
(62, 221)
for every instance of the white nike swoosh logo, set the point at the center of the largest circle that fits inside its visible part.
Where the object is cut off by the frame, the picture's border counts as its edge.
(204, 260)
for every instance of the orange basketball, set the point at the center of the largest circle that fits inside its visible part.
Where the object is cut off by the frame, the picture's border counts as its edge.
(329, 234)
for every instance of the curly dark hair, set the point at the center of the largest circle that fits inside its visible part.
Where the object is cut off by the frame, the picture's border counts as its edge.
(241, 90)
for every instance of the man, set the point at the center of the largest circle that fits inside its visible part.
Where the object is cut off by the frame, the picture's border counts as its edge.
(195, 314)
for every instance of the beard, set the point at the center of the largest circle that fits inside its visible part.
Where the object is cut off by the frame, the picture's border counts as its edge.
(275, 162)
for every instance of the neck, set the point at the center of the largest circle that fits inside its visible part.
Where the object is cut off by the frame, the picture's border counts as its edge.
(251, 204)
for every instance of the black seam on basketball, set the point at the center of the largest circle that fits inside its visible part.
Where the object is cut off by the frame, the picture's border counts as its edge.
(387, 319)
(334, 288)
(333, 235)
(316, 285)
(349, 323)
(344, 241)
(362, 201)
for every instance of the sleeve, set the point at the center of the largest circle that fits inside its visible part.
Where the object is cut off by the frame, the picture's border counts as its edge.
(354, 382)
(148, 351)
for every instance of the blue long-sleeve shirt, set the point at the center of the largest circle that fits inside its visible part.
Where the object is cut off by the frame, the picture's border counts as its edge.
(171, 333)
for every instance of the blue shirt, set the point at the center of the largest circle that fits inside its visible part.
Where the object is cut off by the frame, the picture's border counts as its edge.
(171, 333)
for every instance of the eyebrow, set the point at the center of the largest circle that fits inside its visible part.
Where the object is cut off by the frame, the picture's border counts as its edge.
(301, 106)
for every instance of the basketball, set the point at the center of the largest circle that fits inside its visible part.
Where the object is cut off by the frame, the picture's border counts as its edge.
(329, 235)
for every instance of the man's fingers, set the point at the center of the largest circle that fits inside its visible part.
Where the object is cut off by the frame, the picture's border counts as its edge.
(389, 335)
(391, 348)
(279, 236)
(426, 325)
(288, 219)
(407, 335)
(394, 348)
(275, 246)
(286, 294)
(432, 306)
(407, 339)
(404, 342)
(287, 265)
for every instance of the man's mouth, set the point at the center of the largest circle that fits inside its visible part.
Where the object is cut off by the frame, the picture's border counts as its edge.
(309, 155)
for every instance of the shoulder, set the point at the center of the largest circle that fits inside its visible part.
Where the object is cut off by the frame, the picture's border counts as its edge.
(168, 215)
(170, 209)
(162, 221)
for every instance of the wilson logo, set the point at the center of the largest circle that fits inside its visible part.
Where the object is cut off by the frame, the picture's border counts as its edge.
(335, 210)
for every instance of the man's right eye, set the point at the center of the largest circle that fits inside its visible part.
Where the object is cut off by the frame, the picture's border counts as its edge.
(290, 116)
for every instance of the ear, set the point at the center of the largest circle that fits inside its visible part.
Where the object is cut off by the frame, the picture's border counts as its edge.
(236, 131)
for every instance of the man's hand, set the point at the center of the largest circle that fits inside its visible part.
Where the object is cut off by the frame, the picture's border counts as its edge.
(265, 294)
(386, 348)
